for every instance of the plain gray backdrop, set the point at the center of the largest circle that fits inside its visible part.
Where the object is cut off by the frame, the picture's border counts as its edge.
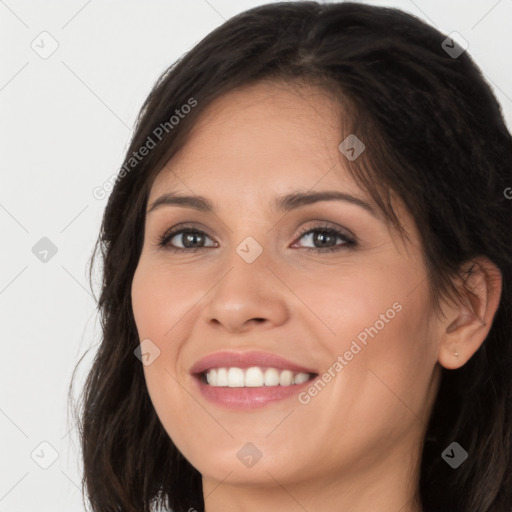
(73, 76)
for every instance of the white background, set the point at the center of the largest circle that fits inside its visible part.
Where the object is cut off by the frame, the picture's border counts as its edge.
(65, 124)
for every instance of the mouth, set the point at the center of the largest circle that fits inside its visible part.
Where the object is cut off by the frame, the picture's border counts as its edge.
(248, 380)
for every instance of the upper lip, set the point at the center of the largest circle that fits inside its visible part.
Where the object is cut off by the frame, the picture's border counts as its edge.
(226, 359)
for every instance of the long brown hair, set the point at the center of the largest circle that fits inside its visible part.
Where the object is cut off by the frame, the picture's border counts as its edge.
(439, 142)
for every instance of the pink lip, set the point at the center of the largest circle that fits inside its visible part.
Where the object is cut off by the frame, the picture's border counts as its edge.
(246, 398)
(246, 360)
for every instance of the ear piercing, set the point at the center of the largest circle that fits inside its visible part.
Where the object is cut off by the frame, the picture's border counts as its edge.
(456, 354)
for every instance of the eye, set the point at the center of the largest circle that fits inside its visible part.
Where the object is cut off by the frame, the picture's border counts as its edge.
(192, 236)
(327, 238)
(193, 239)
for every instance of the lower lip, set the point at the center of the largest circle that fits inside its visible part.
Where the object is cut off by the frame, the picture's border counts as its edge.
(248, 398)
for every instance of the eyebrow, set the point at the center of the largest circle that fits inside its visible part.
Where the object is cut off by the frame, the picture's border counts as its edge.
(284, 203)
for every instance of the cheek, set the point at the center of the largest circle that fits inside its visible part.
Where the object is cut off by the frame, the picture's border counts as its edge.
(156, 318)
(157, 310)
(359, 303)
(392, 370)
(158, 302)
(407, 358)
(382, 324)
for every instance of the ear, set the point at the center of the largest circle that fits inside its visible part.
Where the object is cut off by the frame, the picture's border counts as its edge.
(468, 322)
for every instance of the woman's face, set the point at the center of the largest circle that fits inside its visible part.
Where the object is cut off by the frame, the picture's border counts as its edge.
(263, 280)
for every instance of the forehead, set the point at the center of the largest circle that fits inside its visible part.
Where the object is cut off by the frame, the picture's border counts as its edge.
(265, 134)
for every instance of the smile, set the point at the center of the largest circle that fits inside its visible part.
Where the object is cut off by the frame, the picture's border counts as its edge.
(249, 379)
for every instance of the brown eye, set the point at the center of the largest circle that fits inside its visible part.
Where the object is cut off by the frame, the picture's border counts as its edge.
(325, 237)
(191, 239)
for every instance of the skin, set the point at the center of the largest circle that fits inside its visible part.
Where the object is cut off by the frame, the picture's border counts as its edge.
(356, 444)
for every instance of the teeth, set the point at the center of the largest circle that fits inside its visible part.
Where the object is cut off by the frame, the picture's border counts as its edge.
(286, 378)
(254, 377)
(235, 378)
(271, 377)
(222, 377)
(211, 376)
(300, 378)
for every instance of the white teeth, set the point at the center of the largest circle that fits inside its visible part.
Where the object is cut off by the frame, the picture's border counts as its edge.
(300, 378)
(254, 377)
(222, 377)
(271, 377)
(211, 376)
(286, 378)
(235, 378)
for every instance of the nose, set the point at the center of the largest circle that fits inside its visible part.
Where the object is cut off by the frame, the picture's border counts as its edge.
(247, 295)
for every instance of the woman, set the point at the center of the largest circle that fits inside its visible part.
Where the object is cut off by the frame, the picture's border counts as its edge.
(307, 248)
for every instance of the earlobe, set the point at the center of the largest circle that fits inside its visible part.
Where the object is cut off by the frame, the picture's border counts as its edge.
(468, 323)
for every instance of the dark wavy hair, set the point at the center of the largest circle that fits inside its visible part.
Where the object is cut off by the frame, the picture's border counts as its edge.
(438, 142)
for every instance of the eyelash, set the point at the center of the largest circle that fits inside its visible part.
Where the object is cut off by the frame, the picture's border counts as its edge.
(164, 240)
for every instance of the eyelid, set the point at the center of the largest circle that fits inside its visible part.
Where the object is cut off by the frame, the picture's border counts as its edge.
(324, 224)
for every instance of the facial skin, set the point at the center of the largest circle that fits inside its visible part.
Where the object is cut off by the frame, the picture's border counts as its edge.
(356, 444)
